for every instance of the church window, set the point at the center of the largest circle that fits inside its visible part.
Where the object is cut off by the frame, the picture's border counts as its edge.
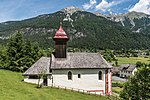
(100, 75)
(79, 75)
(69, 75)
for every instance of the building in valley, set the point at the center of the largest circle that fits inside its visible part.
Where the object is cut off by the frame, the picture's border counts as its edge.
(87, 71)
(127, 70)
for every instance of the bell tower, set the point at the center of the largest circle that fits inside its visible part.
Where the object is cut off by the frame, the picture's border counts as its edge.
(60, 39)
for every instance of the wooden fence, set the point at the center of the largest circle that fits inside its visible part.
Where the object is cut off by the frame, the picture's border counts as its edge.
(96, 92)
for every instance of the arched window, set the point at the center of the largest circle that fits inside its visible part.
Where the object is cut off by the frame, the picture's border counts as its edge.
(69, 75)
(100, 75)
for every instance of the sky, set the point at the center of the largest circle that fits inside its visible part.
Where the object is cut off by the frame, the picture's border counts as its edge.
(11, 10)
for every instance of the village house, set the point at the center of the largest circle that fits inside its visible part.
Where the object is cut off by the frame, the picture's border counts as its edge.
(87, 71)
(126, 70)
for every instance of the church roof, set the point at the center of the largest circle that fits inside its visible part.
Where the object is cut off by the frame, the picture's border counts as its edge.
(39, 67)
(60, 34)
(73, 61)
(79, 60)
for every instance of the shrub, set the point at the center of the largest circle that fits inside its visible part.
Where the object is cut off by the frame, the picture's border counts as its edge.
(116, 84)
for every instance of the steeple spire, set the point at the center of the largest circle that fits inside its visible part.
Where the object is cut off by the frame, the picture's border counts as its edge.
(60, 34)
(60, 39)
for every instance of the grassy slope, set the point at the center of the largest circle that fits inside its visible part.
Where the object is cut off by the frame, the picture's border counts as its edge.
(13, 88)
(132, 60)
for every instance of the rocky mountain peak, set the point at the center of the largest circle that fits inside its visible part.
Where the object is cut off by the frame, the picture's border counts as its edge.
(123, 17)
(71, 9)
(134, 14)
(131, 15)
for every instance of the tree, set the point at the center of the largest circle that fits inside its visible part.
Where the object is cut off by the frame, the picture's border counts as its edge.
(36, 52)
(21, 54)
(3, 57)
(28, 59)
(138, 86)
(138, 64)
(41, 74)
(15, 52)
(116, 63)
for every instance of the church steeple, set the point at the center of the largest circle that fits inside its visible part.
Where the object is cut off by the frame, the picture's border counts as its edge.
(60, 39)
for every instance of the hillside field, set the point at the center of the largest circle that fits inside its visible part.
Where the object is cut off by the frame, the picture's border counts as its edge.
(13, 88)
(132, 60)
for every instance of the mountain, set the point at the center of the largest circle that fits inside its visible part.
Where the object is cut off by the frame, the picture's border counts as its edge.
(85, 29)
(137, 22)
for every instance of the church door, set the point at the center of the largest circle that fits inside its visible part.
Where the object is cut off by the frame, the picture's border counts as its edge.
(45, 81)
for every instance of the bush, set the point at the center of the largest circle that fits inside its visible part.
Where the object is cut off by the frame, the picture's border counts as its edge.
(116, 84)
(138, 86)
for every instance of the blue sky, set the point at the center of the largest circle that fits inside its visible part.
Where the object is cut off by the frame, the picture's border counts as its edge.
(22, 9)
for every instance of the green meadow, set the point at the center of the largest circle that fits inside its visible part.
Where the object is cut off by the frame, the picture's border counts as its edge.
(132, 60)
(12, 87)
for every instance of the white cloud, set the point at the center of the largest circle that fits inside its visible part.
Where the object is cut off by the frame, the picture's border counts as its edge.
(142, 6)
(89, 4)
(105, 6)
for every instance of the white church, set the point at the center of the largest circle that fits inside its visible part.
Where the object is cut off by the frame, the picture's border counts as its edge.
(86, 71)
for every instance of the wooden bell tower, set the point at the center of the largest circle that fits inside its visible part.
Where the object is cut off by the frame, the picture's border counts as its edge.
(60, 39)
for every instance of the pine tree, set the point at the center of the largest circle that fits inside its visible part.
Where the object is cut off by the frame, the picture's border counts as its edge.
(21, 54)
(15, 52)
(28, 59)
(3, 57)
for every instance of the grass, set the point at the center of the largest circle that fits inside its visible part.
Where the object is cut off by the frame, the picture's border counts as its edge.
(117, 89)
(13, 88)
(117, 86)
(132, 60)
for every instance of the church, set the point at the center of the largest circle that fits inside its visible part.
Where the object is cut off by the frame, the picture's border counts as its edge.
(80, 70)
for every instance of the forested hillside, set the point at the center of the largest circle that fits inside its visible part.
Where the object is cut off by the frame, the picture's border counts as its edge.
(86, 30)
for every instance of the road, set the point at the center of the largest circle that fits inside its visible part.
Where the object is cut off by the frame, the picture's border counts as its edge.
(116, 78)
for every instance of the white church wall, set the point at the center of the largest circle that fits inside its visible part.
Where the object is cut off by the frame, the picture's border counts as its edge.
(34, 81)
(88, 81)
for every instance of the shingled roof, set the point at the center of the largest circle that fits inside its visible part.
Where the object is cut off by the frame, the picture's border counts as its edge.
(73, 61)
(79, 60)
(39, 67)
(127, 67)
